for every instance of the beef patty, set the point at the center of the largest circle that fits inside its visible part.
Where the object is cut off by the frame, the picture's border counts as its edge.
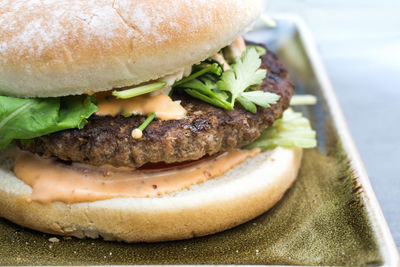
(205, 130)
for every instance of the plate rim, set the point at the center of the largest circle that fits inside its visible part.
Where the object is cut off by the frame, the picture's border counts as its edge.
(385, 239)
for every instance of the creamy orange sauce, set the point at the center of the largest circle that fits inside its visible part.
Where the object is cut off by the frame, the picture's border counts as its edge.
(162, 105)
(240, 45)
(55, 181)
(218, 57)
(236, 49)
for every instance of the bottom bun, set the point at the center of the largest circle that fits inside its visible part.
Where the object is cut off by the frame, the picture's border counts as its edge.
(235, 197)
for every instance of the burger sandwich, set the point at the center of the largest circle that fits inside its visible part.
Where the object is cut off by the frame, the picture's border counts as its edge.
(141, 120)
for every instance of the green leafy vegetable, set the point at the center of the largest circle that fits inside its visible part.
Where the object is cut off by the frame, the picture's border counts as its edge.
(213, 68)
(25, 119)
(211, 84)
(261, 98)
(293, 130)
(149, 119)
(244, 73)
(207, 91)
(140, 90)
(268, 21)
(247, 104)
(303, 100)
(260, 50)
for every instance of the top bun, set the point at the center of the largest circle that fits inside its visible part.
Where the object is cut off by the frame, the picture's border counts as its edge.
(64, 47)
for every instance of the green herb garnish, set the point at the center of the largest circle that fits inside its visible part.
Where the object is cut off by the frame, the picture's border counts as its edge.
(206, 90)
(260, 50)
(292, 130)
(268, 21)
(140, 90)
(149, 119)
(303, 100)
(213, 68)
(138, 132)
(223, 88)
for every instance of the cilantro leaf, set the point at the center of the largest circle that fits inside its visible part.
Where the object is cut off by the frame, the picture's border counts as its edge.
(210, 83)
(247, 104)
(261, 98)
(207, 91)
(204, 68)
(244, 73)
(213, 101)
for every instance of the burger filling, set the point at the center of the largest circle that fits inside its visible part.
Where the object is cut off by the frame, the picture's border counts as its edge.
(233, 100)
(82, 183)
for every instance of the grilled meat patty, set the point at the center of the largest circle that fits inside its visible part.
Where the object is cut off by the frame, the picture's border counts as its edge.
(205, 130)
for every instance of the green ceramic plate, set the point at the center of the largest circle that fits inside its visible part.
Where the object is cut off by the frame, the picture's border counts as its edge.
(329, 217)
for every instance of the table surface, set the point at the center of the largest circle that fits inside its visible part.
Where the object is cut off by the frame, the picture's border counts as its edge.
(359, 42)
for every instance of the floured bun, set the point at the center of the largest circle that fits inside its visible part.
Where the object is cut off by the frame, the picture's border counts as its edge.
(237, 196)
(64, 47)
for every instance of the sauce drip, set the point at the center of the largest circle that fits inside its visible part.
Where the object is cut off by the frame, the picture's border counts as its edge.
(236, 49)
(52, 180)
(220, 58)
(162, 105)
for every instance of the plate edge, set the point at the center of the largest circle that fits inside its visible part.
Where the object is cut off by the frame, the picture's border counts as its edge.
(388, 247)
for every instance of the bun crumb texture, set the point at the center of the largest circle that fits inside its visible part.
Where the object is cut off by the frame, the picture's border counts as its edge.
(64, 47)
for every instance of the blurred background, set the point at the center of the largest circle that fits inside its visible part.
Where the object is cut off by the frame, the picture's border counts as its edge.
(359, 42)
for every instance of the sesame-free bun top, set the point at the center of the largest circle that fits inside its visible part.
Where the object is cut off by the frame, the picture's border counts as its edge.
(64, 47)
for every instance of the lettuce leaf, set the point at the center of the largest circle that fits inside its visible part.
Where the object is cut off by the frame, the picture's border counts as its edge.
(27, 118)
(292, 130)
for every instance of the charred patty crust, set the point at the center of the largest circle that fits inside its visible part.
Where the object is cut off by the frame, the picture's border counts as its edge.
(205, 130)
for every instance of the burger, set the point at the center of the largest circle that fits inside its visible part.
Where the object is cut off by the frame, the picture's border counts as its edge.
(141, 121)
